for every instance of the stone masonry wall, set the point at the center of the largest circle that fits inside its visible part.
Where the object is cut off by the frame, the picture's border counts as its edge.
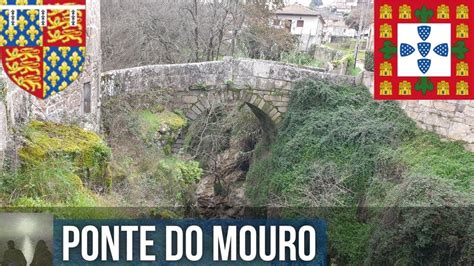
(18, 107)
(450, 119)
(3, 132)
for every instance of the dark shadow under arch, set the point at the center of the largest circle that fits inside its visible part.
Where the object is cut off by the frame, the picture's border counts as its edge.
(268, 126)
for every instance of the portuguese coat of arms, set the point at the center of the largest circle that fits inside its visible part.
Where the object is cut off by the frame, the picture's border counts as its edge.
(422, 50)
(43, 43)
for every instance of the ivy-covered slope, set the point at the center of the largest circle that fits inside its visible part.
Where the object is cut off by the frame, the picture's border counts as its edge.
(339, 148)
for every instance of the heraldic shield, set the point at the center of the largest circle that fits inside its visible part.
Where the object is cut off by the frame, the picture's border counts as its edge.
(43, 43)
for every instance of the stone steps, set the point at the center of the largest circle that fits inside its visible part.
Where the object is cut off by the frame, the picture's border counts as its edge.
(178, 145)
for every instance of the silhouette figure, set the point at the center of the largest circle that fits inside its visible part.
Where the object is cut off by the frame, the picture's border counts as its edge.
(43, 256)
(13, 256)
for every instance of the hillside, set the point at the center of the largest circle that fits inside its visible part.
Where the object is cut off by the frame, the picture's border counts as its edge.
(381, 180)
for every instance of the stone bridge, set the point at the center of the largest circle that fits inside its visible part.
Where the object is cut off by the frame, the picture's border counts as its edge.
(264, 86)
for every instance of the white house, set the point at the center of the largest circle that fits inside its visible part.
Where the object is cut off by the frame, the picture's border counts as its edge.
(338, 28)
(346, 6)
(303, 22)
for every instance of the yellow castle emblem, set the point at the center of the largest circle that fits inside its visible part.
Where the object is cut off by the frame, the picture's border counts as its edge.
(386, 88)
(462, 88)
(462, 12)
(404, 88)
(462, 69)
(386, 69)
(462, 31)
(443, 12)
(443, 88)
(385, 31)
(404, 12)
(386, 12)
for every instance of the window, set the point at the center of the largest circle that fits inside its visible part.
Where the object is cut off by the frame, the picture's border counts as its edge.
(87, 98)
(300, 23)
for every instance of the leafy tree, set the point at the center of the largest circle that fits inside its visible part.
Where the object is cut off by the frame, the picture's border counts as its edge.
(353, 19)
(260, 40)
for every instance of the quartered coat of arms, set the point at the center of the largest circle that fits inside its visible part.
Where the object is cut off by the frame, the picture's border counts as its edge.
(423, 50)
(43, 43)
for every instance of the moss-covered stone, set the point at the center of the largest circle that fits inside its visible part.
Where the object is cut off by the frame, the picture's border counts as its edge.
(48, 141)
(160, 128)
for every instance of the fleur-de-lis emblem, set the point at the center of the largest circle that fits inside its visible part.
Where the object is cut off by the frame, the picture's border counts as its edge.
(3, 2)
(32, 13)
(63, 86)
(39, 42)
(53, 58)
(64, 68)
(73, 76)
(22, 22)
(46, 67)
(75, 58)
(22, 41)
(3, 42)
(32, 32)
(54, 78)
(46, 87)
(39, 2)
(3, 22)
(11, 32)
(64, 50)
(21, 2)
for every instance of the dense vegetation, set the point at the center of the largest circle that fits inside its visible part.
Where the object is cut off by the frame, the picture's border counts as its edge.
(141, 132)
(339, 148)
(66, 166)
(61, 166)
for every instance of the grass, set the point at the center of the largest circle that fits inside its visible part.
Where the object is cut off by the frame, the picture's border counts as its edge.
(302, 59)
(426, 152)
(46, 184)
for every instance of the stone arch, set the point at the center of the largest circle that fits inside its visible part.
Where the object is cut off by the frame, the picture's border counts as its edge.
(267, 114)
(204, 102)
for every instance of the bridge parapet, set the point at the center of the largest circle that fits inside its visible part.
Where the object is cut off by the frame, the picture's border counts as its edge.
(264, 84)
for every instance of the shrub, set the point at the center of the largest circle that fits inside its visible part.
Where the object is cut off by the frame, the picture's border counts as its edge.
(426, 222)
(301, 58)
(181, 176)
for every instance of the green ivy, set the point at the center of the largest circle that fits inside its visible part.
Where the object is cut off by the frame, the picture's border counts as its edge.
(369, 61)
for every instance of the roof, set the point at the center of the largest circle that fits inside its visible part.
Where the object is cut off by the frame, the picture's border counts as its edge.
(298, 10)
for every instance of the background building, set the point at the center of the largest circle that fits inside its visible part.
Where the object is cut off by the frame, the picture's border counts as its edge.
(303, 22)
